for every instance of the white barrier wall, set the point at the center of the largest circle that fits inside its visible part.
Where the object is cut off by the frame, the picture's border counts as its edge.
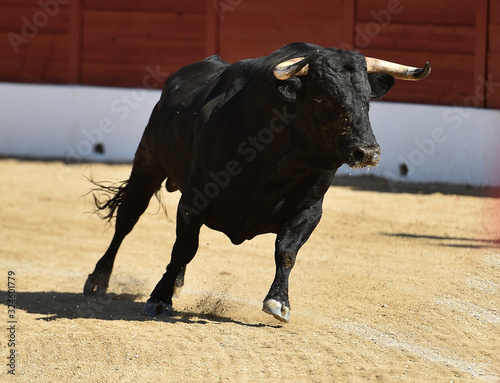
(425, 143)
(66, 122)
(419, 143)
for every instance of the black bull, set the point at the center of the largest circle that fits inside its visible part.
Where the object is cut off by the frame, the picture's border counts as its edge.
(253, 147)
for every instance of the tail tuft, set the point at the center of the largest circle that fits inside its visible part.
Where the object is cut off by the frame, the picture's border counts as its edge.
(108, 196)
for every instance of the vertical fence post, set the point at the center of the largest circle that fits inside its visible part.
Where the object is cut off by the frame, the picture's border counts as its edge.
(212, 39)
(349, 23)
(75, 41)
(481, 51)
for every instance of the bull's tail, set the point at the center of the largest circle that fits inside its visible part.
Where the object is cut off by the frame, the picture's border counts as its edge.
(107, 196)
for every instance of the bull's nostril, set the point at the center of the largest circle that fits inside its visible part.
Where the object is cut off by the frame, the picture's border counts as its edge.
(358, 154)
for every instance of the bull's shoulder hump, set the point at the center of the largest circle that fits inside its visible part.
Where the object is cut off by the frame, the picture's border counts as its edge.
(190, 80)
(199, 71)
(216, 60)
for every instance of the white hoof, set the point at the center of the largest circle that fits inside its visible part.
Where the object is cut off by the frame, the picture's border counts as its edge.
(277, 310)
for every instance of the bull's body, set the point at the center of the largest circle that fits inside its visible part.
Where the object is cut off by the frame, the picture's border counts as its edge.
(251, 154)
(213, 139)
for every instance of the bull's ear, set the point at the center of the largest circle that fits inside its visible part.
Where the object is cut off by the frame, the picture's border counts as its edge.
(289, 88)
(380, 83)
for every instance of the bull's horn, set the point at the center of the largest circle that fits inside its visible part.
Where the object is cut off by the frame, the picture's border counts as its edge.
(398, 71)
(298, 66)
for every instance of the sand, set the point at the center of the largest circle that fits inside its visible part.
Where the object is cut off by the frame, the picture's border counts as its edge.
(392, 286)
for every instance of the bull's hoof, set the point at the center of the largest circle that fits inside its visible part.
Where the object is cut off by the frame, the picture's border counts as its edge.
(90, 289)
(95, 289)
(277, 310)
(155, 309)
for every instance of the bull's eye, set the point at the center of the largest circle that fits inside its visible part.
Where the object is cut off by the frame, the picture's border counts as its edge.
(323, 102)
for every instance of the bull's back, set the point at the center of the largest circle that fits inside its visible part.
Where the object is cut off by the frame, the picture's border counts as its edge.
(172, 127)
(190, 82)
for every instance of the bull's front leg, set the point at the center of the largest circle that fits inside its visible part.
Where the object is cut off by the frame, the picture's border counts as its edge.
(184, 250)
(288, 242)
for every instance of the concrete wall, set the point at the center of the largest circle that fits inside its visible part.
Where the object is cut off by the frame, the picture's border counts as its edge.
(420, 143)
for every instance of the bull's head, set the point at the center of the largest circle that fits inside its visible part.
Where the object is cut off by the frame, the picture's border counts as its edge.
(334, 90)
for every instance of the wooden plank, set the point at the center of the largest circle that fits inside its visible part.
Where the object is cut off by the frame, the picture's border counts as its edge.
(233, 51)
(282, 22)
(481, 47)
(349, 21)
(145, 25)
(279, 23)
(126, 75)
(13, 71)
(494, 12)
(139, 51)
(445, 88)
(44, 48)
(434, 93)
(75, 42)
(333, 9)
(416, 37)
(19, 3)
(18, 19)
(177, 6)
(494, 38)
(316, 30)
(493, 99)
(212, 26)
(451, 80)
(442, 12)
(493, 67)
(28, 70)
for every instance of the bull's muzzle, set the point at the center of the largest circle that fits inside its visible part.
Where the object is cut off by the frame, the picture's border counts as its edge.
(360, 157)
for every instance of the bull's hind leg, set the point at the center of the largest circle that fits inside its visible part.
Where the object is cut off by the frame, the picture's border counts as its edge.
(288, 242)
(179, 282)
(130, 200)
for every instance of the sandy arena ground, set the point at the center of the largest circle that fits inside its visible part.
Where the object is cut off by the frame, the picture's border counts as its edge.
(390, 287)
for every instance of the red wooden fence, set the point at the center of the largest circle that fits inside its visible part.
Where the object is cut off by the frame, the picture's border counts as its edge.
(493, 56)
(120, 42)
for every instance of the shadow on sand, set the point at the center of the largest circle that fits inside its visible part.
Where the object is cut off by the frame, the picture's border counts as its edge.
(56, 305)
(382, 185)
(458, 242)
